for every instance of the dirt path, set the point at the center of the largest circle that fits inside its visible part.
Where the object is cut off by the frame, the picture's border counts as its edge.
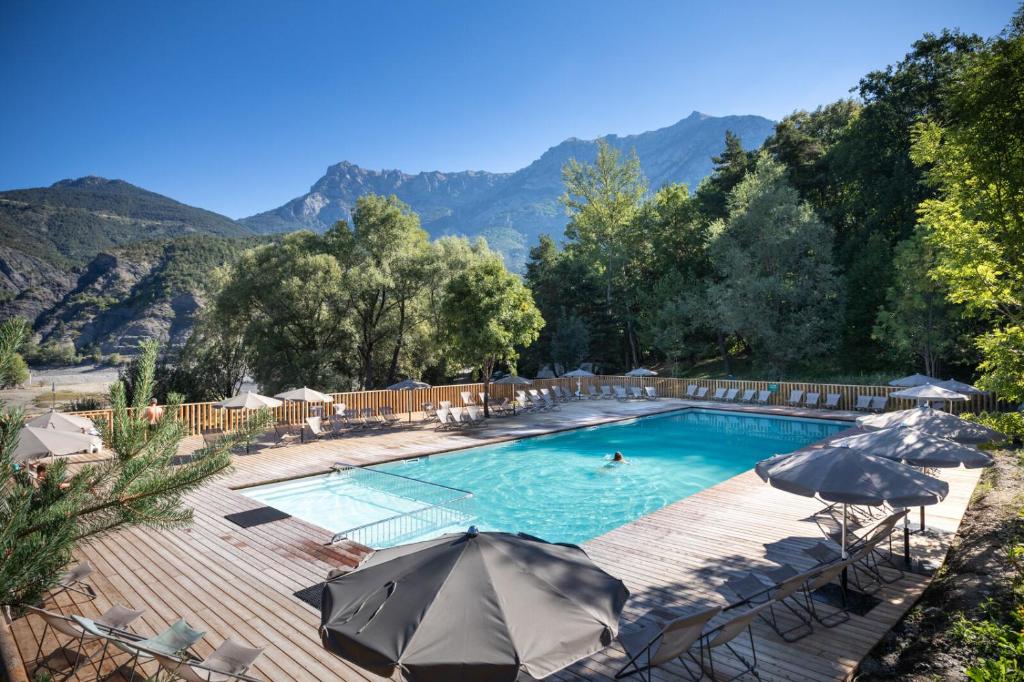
(924, 646)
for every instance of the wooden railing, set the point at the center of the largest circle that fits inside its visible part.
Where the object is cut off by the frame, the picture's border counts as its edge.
(201, 416)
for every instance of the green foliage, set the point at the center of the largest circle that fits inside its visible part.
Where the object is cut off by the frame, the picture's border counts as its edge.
(140, 485)
(56, 353)
(13, 370)
(731, 166)
(488, 314)
(776, 288)
(570, 342)
(1009, 423)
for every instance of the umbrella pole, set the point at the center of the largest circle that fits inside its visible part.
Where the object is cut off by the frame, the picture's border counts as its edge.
(922, 519)
(845, 578)
(906, 538)
(410, 407)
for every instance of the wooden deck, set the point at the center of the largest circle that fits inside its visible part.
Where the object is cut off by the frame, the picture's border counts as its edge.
(239, 582)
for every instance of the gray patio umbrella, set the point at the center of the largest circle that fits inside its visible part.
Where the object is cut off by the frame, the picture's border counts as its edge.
(913, 380)
(514, 380)
(641, 372)
(58, 421)
(305, 395)
(35, 442)
(929, 392)
(577, 373)
(409, 385)
(915, 448)
(849, 476)
(248, 401)
(959, 387)
(934, 422)
(472, 606)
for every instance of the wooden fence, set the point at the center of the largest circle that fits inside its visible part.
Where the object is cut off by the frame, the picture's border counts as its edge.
(201, 416)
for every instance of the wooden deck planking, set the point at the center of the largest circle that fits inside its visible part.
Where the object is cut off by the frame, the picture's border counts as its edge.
(236, 582)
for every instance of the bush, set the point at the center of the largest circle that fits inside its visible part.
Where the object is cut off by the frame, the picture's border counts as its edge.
(1009, 423)
(114, 359)
(53, 353)
(86, 404)
(17, 372)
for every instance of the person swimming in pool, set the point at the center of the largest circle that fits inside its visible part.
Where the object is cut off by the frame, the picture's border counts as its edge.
(617, 457)
(615, 460)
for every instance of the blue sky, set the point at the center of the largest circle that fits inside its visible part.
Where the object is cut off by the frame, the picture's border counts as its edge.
(240, 106)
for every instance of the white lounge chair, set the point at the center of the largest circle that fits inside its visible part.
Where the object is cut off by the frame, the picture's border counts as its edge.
(606, 392)
(730, 395)
(702, 393)
(229, 661)
(592, 392)
(812, 399)
(863, 403)
(691, 391)
(748, 396)
(795, 396)
(652, 394)
(832, 401)
(719, 394)
(467, 398)
(620, 393)
(635, 392)
(763, 397)
(879, 402)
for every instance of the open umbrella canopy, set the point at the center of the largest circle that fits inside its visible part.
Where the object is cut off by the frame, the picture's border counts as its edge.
(928, 392)
(913, 380)
(408, 385)
(514, 379)
(579, 373)
(933, 422)
(248, 401)
(851, 477)
(305, 395)
(915, 448)
(641, 372)
(959, 387)
(35, 442)
(58, 421)
(472, 606)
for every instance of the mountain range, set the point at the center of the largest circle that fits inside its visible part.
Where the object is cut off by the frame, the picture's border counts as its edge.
(102, 263)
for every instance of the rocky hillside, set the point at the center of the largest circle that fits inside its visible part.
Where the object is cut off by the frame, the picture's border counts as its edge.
(511, 209)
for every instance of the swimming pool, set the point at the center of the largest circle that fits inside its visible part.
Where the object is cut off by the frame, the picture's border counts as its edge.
(559, 487)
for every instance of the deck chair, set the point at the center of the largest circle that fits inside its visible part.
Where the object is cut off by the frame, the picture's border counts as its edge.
(635, 392)
(592, 392)
(763, 397)
(389, 416)
(620, 393)
(339, 409)
(445, 404)
(795, 397)
(177, 640)
(691, 391)
(832, 401)
(73, 581)
(467, 398)
(211, 435)
(785, 591)
(652, 394)
(460, 417)
(443, 417)
(818, 581)
(116, 617)
(730, 395)
(702, 393)
(748, 396)
(549, 403)
(501, 409)
(606, 392)
(474, 416)
(536, 400)
(285, 434)
(369, 418)
(229, 661)
(719, 394)
(812, 399)
(522, 403)
(315, 427)
(429, 412)
(724, 634)
(659, 642)
(558, 394)
(879, 402)
(863, 403)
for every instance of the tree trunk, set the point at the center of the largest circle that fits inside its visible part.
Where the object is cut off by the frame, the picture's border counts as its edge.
(724, 350)
(393, 368)
(487, 368)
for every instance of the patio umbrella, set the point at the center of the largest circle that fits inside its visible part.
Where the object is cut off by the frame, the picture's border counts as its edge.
(913, 380)
(849, 476)
(305, 395)
(35, 442)
(915, 448)
(577, 373)
(641, 372)
(514, 380)
(472, 606)
(934, 422)
(58, 421)
(409, 385)
(927, 393)
(248, 401)
(959, 387)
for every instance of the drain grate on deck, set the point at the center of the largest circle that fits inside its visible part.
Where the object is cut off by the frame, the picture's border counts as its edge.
(857, 603)
(256, 517)
(311, 595)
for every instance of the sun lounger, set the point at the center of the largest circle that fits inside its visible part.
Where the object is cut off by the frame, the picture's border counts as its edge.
(620, 393)
(315, 428)
(369, 418)
(863, 403)
(81, 630)
(748, 396)
(832, 401)
(536, 400)
(691, 391)
(651, 393)
(445, 404)
(389, 416)
(74, 581)
(500, 409)
(522, 403)
(812, 399)
(719, 394)
(702, 393)
(443, 419)
(211, 435)
(730, 395)
(592, 392)
(606, 392)
(879, 402)
(467, 398)
(175, 641)
(662, 640)
(229, 661)
(635, 392)
(285, 434)
(474, 416)
(795, 396)
(429, 412)
(724, 634)
(549, 403)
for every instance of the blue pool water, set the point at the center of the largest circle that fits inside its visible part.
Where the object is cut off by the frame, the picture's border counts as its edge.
(559, 487)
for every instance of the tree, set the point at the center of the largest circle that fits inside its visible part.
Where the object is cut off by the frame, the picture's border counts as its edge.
(974, 156)
(602, 200)
(730, 167)
(142, 484)
(13, 334)
(917, 320)
(488, 314)
(570, 342)
(777, 289)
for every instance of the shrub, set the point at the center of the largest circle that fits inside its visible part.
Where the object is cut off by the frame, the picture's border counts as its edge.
(1009, 423)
